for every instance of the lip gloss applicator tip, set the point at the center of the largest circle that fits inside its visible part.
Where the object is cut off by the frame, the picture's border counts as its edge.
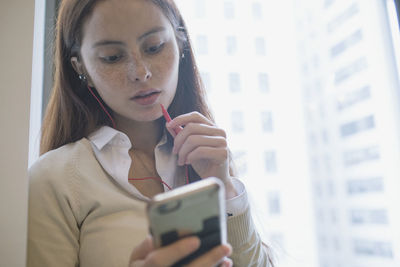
(168, 119)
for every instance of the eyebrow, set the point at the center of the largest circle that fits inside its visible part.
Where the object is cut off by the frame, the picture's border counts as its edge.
(111, 42)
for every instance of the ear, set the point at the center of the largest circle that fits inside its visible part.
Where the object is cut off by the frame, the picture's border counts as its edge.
(77, 65)
(80, 69)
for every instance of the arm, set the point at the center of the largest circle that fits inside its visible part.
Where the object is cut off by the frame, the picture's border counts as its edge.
(247, 247)
(53, 233)
(203, 145)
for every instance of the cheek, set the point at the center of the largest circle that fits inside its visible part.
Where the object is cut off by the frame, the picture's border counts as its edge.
(169, 67)
(105, 77)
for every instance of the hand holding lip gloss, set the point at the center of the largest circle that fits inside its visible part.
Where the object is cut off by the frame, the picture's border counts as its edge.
(168, 119)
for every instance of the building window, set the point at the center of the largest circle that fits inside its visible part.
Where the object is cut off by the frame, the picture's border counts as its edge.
(354, 97)
(357, 126)
(237, 120)
(231, 45)
(263, 83)
(328, 3)
(257, 10)
(365, 185)
(202, 45)
(354, 157)
(260, 46)
(200, 8)
(343, 17)
(266, 121)
(373, 248)
(274, 203)
(367, 216)
(330, 186)
(270, 161)
(348, 71)
(334, 217)
(229, 10)
(346, 43)
(234, 82)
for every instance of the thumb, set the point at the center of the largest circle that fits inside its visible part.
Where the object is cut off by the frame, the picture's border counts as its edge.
(143, 249)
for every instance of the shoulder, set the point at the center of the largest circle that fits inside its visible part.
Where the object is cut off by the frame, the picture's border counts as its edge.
(61, 162)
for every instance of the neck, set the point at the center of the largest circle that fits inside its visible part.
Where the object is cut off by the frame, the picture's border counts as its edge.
(144, 136)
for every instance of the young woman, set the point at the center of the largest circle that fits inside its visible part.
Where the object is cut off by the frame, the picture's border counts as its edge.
(106, 149)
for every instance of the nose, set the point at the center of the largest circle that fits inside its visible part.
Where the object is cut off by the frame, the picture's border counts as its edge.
(140, 71)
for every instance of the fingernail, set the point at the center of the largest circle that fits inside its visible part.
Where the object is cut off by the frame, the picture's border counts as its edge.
(194, 243)
(227, 249)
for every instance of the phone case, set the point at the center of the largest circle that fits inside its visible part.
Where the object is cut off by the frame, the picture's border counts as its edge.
(194, 209)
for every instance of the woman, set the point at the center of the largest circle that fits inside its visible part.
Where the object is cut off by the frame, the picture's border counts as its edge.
(105, 144)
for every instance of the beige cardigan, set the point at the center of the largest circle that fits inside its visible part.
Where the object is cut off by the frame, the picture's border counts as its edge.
(79, 216)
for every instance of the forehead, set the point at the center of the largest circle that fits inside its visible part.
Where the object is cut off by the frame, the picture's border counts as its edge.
(123, 19)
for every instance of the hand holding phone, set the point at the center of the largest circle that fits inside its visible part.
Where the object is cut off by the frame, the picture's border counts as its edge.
(197, 209)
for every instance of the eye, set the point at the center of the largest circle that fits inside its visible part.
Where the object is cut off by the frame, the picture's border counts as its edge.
(111, 59)
(155, 48)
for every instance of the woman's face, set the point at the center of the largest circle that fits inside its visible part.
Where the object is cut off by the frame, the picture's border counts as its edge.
(130, 53)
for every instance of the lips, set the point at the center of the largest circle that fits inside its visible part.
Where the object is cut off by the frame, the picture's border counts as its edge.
(145, 93)
(146, 97)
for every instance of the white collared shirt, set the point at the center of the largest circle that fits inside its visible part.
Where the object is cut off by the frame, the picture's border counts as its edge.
(111, 148)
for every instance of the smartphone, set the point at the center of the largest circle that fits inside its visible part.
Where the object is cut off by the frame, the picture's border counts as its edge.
(194, 209)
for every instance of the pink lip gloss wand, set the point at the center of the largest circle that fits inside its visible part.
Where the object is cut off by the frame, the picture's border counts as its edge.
(168, 119)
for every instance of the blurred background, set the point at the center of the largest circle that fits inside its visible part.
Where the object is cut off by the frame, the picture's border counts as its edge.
(308, 91)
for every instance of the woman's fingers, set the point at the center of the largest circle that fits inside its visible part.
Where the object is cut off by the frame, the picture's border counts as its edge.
(214, 155)
(144, 248)
(196, 141)
(145, 255)
(168, 255)
(212, 257)
(194, 117)
(196, 129)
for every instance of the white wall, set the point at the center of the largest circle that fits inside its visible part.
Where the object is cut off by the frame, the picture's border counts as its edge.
(16, 35)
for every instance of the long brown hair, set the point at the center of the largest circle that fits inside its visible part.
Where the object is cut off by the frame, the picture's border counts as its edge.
(72, 112)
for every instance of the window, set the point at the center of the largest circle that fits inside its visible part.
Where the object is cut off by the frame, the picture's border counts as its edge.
(274, 203)
(353, 68)
(266, 121)
(231, 45)
(229, 10)
(200, 8)
(237, 120)
(366, 216)
(328, 3)
(257, 10)
(343, 17)
(365, 185)
(263, 83)
(358, 156)
(350, 41)
(234, 82)
(334, 217)
(270, 161)
(202, 44)
(330, 188)
(357, 126)
(260, 46)
(373, 248)
(349, 99)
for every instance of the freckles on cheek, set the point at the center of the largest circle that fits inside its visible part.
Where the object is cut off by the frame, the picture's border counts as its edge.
(169, 66)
